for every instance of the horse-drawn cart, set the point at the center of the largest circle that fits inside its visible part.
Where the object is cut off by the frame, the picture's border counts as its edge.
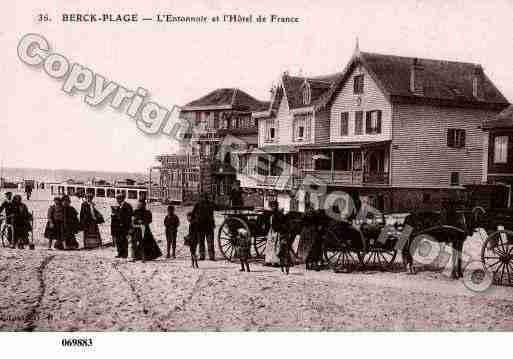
(255, 222)
(346, 245)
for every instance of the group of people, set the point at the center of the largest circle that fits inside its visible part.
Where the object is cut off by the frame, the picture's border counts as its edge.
(65, 222)
(130, 229)
(18, 220)
(129, 226)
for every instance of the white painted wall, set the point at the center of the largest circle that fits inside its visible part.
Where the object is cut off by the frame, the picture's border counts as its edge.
(371, 99)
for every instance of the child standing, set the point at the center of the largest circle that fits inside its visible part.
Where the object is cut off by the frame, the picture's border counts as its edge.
(171, 222)
(191, 240)
(243, 248)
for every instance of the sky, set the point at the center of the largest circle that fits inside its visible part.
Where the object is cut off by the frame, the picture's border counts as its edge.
(44, 127)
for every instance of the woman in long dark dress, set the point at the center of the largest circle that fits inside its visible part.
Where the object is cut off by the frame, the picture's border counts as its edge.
(71, 224)
(144, 245)
(90, 217)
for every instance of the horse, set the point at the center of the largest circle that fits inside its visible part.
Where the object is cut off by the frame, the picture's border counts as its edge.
(449, 226)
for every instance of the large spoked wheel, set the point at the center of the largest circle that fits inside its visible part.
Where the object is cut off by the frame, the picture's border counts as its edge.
(338, 255)
(5, 234)
(227, 236)
(259, 246)
(342, 258)
(379, 257)
(497, 256)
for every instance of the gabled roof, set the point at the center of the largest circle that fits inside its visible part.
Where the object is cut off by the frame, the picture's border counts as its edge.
(227, 98)
(503, 120)
(293, 89)
(447, 83)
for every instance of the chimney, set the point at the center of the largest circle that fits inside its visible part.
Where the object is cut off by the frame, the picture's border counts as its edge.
(477, 83)
(417, 78)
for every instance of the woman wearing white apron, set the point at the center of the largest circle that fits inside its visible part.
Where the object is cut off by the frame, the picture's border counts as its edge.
(272, 245)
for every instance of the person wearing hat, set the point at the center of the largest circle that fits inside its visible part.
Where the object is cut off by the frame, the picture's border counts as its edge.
(203, 215)
(272, 246)
(55, 216)
(90, 218)
(71, 225)
(21, 223)
(144, 245)
(121, 222)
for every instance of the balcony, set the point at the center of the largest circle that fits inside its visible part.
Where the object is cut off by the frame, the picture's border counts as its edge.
(356, 177)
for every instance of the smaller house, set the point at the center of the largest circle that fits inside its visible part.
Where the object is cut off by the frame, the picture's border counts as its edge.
(499, 157)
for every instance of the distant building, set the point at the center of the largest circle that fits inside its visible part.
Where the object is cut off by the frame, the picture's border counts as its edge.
(201, 164)
(499, 155)
(401, 131)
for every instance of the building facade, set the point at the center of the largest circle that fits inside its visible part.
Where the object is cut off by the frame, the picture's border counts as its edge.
(402, 131)
(499, 157)
(201, 164)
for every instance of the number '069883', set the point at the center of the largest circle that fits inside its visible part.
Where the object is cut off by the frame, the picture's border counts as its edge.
(77, 342)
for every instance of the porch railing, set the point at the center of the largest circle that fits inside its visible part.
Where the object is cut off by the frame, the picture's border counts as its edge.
(357, 177)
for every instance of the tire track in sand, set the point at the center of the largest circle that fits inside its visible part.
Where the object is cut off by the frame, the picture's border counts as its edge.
(137, 296)
(32, 316)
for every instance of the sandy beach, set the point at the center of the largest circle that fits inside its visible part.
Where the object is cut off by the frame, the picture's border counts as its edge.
(46, 290)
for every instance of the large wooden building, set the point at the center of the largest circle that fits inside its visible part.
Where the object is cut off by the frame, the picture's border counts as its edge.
(401, 131)
(200, 165)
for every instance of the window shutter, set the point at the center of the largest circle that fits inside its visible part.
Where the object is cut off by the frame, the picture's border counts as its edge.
(379, 122)
(368, 122)
(462, 138)
(308, 125)
(450, 137)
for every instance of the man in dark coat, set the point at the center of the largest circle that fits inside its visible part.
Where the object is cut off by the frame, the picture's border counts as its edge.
(120, 225)
(203, 215)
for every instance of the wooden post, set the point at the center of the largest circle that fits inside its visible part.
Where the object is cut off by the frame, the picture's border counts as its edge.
(332, 167)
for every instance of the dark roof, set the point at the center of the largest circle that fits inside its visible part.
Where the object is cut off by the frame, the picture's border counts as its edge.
(503, 120)
(444, 82)
(228, 97)
(319, 85)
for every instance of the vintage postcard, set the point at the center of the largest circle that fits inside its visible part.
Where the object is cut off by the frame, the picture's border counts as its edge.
(233, 166)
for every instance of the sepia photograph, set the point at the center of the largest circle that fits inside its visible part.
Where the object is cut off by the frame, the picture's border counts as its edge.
(287, 167)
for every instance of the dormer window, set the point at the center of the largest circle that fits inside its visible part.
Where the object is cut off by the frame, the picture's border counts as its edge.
(307, 96)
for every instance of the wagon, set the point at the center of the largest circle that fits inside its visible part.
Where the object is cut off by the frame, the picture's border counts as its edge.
(346, 245)
(255, 222)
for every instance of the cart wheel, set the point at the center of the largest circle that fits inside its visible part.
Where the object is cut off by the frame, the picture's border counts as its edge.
(379, 257)
(3, 234)
(342, 258)
(497, 256)
(259, 246)
(227, 234)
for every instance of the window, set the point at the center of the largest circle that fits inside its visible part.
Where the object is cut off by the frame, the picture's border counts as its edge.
(455, 138)
(216, 120)
(344, 124)
(358, 123)
(500, 145)
(271, 133)
(373, 122)
(301, 127)
(455, 178)
(358, 84)
(301, 132)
